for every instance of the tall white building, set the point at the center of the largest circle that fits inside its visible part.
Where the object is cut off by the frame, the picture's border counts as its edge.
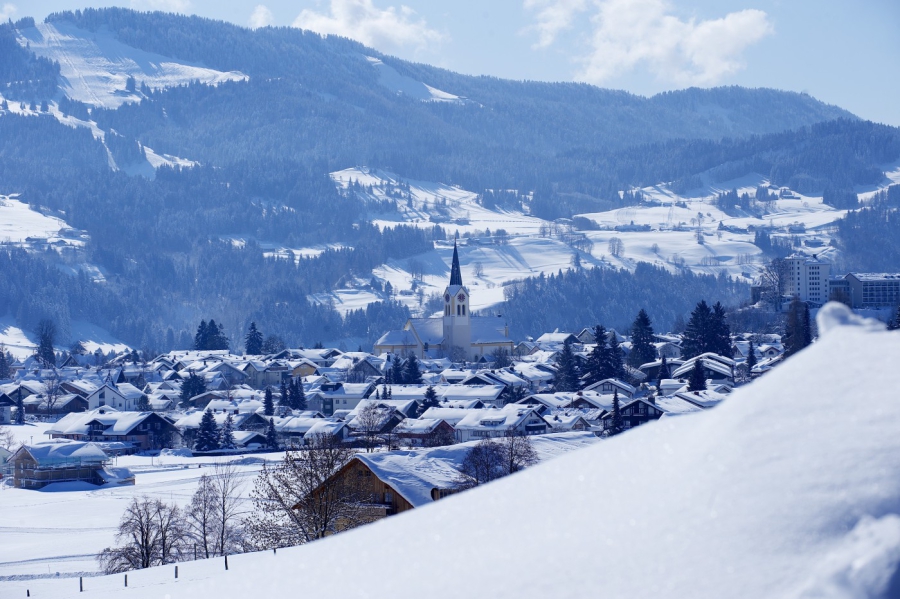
(807, 278)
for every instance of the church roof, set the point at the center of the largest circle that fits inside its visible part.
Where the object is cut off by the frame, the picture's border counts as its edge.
(429, 330)
(486, 329)
(455, 272)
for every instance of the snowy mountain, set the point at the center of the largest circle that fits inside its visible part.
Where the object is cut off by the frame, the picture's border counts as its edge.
(196, 153)
(784, 490)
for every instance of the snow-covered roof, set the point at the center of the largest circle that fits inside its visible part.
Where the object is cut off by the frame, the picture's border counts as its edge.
(417, 426)
(61, 452)
(413, 474)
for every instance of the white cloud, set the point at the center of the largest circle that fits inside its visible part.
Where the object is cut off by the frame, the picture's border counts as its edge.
(553, 17)
(180, 6)
(628, 34)
(7, 12)
(261, 17)
(388, 29)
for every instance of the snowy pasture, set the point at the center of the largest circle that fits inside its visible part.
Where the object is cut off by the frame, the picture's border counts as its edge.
(61, 529)
(95, 66)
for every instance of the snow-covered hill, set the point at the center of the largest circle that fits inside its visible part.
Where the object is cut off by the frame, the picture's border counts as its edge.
(662, 230)
(22, 344)
(788, 490)
(95, 66)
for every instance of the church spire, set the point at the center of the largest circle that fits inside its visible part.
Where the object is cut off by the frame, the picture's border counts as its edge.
(455, 273)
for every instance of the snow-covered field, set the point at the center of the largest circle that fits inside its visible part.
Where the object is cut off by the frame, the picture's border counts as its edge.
(18, 222)
(781, 491)
(401, 84)
(22, 344)
(95, 65)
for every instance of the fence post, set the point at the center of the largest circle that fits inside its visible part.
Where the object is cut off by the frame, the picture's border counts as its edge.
(126, 581)
(176, 572)
(226, 562)
(80, 585)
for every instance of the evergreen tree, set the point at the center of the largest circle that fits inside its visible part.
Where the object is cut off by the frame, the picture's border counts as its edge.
(615, 421)
(200, 338)
(411, 373)
(20, 410)
(720, 333)
(697, 333)
(46, 333)
(268, 403)
(431, 399)
(566, 370)
(216, 339)
(597, 358)
(397, 371)
(697, 380)
(271, 435)
(384, 391)
(227, 436)
(664, 373)
(191, 387)
(389, 393)
(751, 359)
(253, 341)
(642, 348)
(615, 367)
(892, 325)
(285, 400)
(796, 327)
(300, 396)
(5, 367)
(208, 434)
(143, 403)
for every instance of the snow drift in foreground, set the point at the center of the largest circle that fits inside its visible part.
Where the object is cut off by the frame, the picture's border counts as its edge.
(791, 488)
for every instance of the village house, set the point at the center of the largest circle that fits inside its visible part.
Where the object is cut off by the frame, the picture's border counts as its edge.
(37, 465)
(136, 431)
(397, 481)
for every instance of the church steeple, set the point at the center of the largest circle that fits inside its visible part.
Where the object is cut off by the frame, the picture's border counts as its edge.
(455, 272)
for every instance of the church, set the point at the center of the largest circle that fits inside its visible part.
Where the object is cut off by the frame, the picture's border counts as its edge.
(456, 335)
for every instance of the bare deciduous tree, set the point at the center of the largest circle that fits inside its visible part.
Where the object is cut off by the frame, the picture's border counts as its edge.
(213, 517)
(53, 391)
(482, 464)
(616, 247)
(368, 422)
(300, 499)
(7, 438)
(201, 518)
(152, 533)
(518, 452)
(773, 281)
(492, 459)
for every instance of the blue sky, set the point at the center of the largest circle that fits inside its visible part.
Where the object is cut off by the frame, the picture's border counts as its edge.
(839, 51)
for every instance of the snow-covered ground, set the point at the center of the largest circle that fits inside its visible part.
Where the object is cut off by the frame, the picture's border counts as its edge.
(45, 532)
(401, 84)
(781, 491)
(18, 222)
(95, 65)
(22, 344)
